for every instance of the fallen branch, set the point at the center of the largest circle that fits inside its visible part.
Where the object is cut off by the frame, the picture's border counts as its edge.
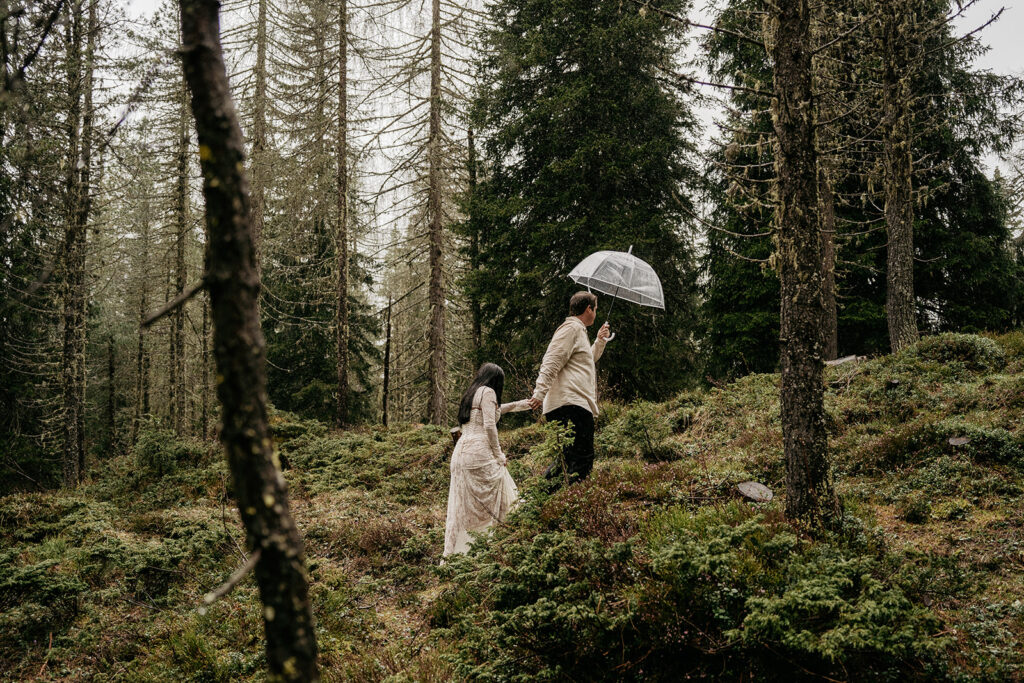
(229, 585)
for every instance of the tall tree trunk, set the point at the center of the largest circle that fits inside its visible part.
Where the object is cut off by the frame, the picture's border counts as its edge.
(141, 358)
(387, 367)
(77, 212)
(240, 354)
(111, 413)
(147, 364)
(181, 221)
(825, 113)
(474, 254)
(436, 365)
(827, 232)
(341, 322)
(172, 348)
(259, 135)
(810, 497)
(901, 312)
(205, 384)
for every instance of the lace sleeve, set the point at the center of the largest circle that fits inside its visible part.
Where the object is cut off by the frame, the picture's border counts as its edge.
(515, 406)
(489, 413)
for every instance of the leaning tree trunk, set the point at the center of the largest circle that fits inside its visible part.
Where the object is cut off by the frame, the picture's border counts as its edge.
(436, 362)
(810, 497)
(899, 209)
(240, 353)
(341, 322)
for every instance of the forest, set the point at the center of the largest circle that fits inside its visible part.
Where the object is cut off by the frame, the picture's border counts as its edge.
(253, 252)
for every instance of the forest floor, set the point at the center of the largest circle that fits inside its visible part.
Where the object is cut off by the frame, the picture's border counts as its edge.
(107, 582)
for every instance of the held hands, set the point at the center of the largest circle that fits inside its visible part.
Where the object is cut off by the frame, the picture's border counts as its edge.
(534, 403)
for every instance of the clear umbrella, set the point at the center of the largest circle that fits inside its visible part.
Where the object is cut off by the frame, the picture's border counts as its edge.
(622, 276)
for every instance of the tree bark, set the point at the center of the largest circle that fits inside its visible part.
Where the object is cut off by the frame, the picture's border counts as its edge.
(901, 312)
(387, 367)
(77, 210)
(436, 339)
(180, 282)
(474, 253)
(810, 497)
(240, 353)
(341, 322)
(111, 413)
(259, 135)
(827, 233)
(205, 390)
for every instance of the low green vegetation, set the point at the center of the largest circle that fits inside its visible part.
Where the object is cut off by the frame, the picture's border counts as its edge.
(653, 569)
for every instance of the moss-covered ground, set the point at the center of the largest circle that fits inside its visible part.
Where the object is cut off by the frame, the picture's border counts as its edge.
(653, 569)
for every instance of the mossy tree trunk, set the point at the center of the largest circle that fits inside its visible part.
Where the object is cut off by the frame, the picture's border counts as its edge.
(177, 380)
(240, 353)
(901, 313)
(436, 294)
(810, 498)
(341, 322)
(78, 209)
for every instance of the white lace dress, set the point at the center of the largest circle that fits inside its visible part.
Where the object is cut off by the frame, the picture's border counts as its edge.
(481, 491)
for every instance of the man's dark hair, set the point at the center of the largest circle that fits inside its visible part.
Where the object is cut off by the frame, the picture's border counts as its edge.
(581, 301)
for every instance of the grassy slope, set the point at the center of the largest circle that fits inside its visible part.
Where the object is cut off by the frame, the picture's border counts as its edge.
(107, 582)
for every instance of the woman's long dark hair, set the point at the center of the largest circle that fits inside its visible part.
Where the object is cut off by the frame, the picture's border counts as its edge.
(489, 375)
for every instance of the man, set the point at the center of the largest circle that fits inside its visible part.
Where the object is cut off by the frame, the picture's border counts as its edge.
(567, 384)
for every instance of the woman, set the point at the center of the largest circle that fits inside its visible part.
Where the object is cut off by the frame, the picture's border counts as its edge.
(482, 491)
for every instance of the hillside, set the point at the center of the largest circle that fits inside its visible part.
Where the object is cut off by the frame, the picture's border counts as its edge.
(653, 569)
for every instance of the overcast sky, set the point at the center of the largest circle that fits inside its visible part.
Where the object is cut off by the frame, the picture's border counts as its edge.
(1004, 38)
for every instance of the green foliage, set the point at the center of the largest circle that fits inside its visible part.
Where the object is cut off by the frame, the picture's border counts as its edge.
(976, 353)
(719, 594)
(966, 278)
(585, 150)
(159, 452)
(644, 571)
(915, 508)
(641, 431)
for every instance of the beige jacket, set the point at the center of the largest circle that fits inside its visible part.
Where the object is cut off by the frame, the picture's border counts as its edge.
(568, 375)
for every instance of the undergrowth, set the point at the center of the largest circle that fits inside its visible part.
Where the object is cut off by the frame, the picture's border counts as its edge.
(655, 568)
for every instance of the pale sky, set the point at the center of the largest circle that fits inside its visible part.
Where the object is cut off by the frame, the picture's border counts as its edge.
(1004, 38)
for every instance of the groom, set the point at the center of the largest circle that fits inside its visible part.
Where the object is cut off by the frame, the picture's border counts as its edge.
(567, 384)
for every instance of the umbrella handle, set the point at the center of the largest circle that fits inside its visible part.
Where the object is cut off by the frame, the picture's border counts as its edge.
(611, 336)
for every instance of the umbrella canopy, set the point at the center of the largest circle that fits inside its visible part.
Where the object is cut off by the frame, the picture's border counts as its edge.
(621, 275)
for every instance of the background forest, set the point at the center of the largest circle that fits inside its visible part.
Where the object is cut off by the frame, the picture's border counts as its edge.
(394, 192)
(424, 176)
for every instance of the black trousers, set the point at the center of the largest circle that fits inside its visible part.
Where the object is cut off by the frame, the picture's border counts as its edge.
(579, 456)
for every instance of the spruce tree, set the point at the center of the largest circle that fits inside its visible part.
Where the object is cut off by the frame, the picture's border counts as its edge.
(585, 148)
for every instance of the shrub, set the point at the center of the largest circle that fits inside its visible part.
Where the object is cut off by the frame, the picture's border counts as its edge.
(717, 594)
(914, 443)
(915, 508)
(159, 452)
(976, 353)
(641, 431)
(35, 599)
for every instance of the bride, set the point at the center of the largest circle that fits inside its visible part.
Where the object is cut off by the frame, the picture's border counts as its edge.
(481, 491)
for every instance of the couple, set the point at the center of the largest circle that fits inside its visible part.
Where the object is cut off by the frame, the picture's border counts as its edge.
(482, 491)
